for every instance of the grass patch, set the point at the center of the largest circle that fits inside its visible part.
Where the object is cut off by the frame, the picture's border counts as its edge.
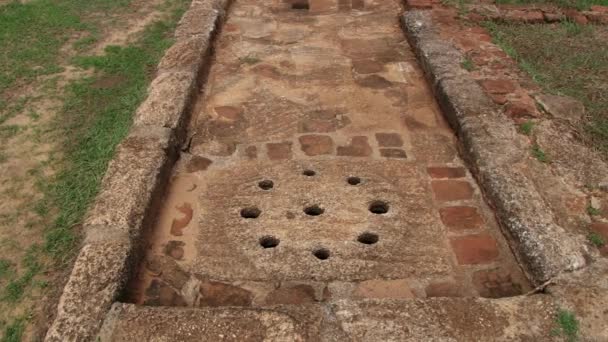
(539, 154)
(596, 239)
(467, 64)
(14, 331)
(33, 32)
(593, 211)
(565, 59)
(577, 4)
(567, 325)
(97, 118)
(526, 127)
(5, 268)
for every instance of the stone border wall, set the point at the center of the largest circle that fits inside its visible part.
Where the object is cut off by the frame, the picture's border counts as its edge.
(136, 178)
(531, 14)
(496, 154)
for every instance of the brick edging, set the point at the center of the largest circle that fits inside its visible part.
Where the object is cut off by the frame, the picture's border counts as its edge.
(530, 14)
(496, 155)
(133, 185)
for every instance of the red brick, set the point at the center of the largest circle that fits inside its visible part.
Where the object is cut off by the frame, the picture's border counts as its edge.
(502, 86)
(296, 295)
(315, 145)
(251, 152)
(521, 108)
(446, 172)
(498, 98)
(358, 4)
(529, 16)
(475, 249)
(389, 139)
(600, 228)
(599, 8)
(393, 153)
(597, 17)
(278, 151)
(495, 283)
(214, 293)
(443, 289)
(418, 4)
(576, 16)
(458, 218)
(452, 190)
(359, 147)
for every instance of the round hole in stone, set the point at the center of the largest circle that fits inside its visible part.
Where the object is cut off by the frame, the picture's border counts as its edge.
(353, 180)
(314, 210)
(309, 173)
(321, 253)
(368, 238)
(269, 241)
(379, 207)
(266, 184)
(251, 212)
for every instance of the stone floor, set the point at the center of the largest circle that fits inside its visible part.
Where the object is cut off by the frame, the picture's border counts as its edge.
(320, 168)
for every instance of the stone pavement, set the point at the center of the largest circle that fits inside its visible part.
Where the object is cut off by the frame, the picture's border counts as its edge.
(320, 168)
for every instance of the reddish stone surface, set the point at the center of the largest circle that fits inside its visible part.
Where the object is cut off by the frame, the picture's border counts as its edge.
(315, 145)
(393, 153)
(419, 4)
(446, 172)
(443, 289)
(527, 16)
(214, 293)
(501, 86)
(576, 16)
(251, 152)
(500, 99)
(358, 4)
(229, 113)
(389, 139)
(475, 249)
(597, 17)
(458, 218)
(159, 294)
(367, 66)
(319, 126)
(175, 249)
(277, 151)
(359, 147)
(452, 190)
(198, 163)
(520, 109)
(552, 17)
(601, 228)
(299, 294)
(178, 224)
(384, 289)
(599, 8)
(496, 284)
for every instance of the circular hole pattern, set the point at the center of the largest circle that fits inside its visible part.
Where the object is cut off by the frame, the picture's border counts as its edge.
(379, 207)
(368, 238)
(321, 253)
(309, 173)
(251, 213)
(314, 210)
(269, 242)
(353, 180)
(266, 184)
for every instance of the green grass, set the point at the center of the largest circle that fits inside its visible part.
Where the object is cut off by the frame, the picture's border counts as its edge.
(14, 331)
(593, 211)
(539, 154)
(467, 64)
(97, 119)
(596, 239)
(567, 325)
(33, 32)
(526, 127)
(565, 59)
(577, 4)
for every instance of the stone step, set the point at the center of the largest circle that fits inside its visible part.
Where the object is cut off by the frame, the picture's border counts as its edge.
(436, 319)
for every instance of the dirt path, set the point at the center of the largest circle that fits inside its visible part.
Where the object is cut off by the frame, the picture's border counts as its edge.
(320, 168)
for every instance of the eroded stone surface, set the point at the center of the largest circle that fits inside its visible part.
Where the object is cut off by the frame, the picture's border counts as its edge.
(320, 170)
